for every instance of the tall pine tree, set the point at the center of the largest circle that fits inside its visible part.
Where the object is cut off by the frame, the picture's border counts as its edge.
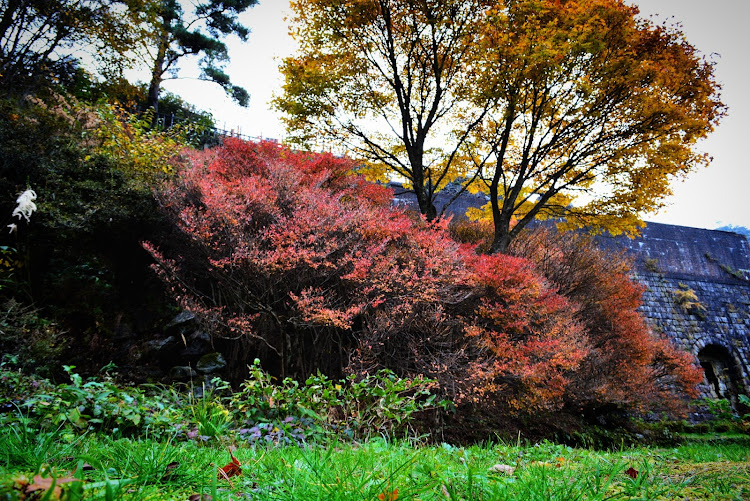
(174, 34)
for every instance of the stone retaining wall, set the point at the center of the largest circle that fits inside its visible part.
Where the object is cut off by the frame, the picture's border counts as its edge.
(714, 326)
(697, 294)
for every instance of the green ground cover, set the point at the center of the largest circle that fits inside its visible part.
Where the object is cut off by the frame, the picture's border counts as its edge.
(97, 467)
(321, 439)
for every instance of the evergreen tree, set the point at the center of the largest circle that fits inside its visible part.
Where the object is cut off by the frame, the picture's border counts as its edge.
(172, 34)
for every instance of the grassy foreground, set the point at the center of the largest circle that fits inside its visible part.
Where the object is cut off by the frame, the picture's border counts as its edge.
(46, 466)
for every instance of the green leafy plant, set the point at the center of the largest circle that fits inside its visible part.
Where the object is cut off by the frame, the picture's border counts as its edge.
(720, 408)
(81, 406)
(140, 149)
(745, 400)
(725, 416)
(207, 413)
(382, 403)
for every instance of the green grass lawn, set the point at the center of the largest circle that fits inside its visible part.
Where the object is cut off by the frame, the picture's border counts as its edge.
(95, 467)
(56, 442)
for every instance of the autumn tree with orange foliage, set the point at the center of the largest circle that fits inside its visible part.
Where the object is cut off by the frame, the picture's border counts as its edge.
(597, 111)
(575, 109)
(387, 79)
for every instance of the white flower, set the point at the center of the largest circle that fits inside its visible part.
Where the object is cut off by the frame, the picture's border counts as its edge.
(12, 227)
(26, 205)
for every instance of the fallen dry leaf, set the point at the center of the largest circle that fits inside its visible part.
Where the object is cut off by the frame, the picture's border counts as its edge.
(632, 472)
(445, 492)
(231, 469)
(502, 468)
(44, 484)
(169, 470)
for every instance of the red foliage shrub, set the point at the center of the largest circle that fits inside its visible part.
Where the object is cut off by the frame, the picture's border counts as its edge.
(290, 254)
(627, 366)
(289, 257)
(496, 338)
(532, 343)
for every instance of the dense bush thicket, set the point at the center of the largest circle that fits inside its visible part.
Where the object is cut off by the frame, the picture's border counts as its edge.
(77, 259)
(287, 256)
(627, 366)
(290, 255)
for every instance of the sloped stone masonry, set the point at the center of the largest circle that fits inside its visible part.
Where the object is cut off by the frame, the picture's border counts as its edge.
(697, 294)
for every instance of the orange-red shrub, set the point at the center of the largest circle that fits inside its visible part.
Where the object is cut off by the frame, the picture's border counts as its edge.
(289, 257)
(627, 365)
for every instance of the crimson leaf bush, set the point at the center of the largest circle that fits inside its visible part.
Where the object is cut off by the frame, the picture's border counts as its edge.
(289, 257)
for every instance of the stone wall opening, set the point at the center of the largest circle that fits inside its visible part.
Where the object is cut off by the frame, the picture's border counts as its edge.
(722, 376)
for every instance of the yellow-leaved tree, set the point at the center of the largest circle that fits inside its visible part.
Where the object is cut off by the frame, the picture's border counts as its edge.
(576, 109)
(389, 79)
(597, 111)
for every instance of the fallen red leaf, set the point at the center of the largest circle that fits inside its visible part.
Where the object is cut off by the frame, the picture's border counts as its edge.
(388, 495)
(631, 472)
(231, 469)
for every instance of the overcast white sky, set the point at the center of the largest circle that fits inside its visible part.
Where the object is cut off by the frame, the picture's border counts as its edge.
(708, 198)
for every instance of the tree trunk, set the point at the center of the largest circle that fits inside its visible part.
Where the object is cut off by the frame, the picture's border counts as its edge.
(424, 200)
(426, 206)
(153, 94)
(157, 71)
(502, 238)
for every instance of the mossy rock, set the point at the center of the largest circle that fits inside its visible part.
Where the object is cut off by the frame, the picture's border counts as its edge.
(182, 373)
(211, 362)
